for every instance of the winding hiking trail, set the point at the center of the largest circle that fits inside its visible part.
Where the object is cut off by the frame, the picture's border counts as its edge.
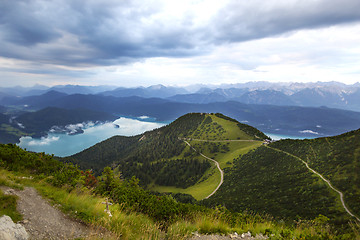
(216, 162)
(324, 179)
(217, 165)
(43, 221)
(226, 140)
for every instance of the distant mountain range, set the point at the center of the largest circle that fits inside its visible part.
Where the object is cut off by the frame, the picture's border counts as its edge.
(329, 94)
(288, 120)
(306, 109)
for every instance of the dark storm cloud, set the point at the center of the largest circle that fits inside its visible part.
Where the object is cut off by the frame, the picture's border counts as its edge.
(25, 24)
(118, 32)
(242, 21)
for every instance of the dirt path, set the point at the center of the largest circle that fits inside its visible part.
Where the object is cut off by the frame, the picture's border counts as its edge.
(43, 221)
(217, 165)
(202, 140)
(324, 179)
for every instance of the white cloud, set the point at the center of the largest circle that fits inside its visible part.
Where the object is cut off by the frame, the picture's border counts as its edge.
(39, 142)
(180, 43)
(309, 131)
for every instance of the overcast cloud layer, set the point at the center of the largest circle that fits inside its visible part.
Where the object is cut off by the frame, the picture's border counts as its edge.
(178, 42)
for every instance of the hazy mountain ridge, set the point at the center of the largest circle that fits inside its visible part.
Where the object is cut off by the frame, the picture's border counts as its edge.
(288, 120)
(266, 106)
(158, 91)
(330, 94)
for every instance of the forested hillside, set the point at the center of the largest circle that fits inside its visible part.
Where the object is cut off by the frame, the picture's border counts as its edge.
(160, 156)
(135, 213)
(8, 132)
(271, 179)
(336, 158)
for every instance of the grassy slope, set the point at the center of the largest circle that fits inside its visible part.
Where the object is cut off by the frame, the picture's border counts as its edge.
(219, 129)
(147, 156)
(274, 182)
(268, 181)
(336, 158)
(10, 134)
(8, 202)
(81, 203)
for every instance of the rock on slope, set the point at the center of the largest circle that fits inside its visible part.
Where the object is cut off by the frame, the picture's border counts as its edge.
(11, 231)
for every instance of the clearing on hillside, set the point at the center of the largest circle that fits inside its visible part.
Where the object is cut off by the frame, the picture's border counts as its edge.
(221, 139)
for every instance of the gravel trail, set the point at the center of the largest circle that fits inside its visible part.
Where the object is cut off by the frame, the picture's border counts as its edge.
(43, 221)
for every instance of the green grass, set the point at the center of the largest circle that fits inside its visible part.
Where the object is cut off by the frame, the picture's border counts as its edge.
(219, 129)
(211, 178)
(8, 202)
(222, 130)
(8, 206)
(236, 149)
(200, 190)
(83, 205)
(231, 128)
(90, 209)
(11, 130)
(10, 180)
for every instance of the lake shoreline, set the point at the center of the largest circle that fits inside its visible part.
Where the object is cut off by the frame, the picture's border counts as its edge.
(63, 144)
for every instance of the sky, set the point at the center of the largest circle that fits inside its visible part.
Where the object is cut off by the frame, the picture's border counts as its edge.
(147, 42)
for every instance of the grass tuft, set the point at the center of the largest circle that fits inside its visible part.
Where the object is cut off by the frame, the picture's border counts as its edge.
(8, 206)
(90, 209)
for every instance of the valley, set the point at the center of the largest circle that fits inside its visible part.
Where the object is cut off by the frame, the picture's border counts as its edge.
(33, 112)
(208, 127)
(213, 160)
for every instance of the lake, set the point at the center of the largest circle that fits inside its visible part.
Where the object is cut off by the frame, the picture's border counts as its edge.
(280, 136)
(62, 145)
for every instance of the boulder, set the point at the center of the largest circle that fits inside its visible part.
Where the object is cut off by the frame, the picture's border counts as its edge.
(11, 231)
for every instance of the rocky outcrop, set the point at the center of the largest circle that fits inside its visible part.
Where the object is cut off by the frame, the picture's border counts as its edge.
(11, 231)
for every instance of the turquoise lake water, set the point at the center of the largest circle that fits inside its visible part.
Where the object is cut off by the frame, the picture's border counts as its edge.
(61, 144)
(280, 136)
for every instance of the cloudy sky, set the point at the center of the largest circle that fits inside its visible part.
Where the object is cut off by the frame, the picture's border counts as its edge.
(146, 42)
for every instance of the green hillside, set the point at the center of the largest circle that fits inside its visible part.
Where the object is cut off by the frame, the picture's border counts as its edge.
(273, 179)
(164, 162)
(336, 158)
(136, 213)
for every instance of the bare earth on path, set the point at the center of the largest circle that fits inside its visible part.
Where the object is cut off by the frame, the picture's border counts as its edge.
(341, 195)
(43, 221)
(217, 165)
